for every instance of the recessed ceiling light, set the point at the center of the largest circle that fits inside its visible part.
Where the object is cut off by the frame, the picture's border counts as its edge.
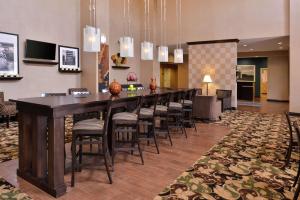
(245, 45)
(279, 43)
(251, 49)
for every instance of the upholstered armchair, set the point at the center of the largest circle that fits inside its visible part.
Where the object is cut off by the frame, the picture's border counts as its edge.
(7, 109)
(207, 108)
(225, 97)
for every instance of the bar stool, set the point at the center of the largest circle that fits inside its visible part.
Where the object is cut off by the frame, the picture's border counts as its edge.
(88, 132)
(175, 112)
(187, 103)
(297, 179)
(292, 141)
(147, 120)
(161, 113)
(125, 127)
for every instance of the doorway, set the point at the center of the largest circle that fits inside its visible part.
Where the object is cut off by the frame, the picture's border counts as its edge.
(169, 76)
(263, 83)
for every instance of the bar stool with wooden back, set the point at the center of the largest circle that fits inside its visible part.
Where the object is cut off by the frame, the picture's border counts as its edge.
(188, 108)
(162, 115)
(125, 127)
(297, 179)
(292, 139)
(87, 132)
(147, 120)
(176, 114)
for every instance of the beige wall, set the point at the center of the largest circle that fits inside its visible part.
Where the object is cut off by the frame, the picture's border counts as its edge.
(278, 73)
(89, 61)
(294, 56)
(47, 20)
(226, 19)
(218, 60)
(116, 30)
(183, 73)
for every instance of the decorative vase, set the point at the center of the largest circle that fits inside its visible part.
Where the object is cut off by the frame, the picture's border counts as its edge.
(153, 84)
(115, 88)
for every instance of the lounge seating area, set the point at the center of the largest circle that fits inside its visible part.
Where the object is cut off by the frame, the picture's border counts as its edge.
(152, 99)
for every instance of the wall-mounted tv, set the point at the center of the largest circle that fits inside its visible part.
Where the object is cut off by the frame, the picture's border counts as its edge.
(40, 50)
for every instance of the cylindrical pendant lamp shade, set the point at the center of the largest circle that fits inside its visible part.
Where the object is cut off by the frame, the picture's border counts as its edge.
(163, 54)
(126, 47)
(147, 51)
(91, 37)
(178, 56)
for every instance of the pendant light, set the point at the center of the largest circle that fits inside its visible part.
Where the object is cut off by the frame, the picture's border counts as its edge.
(178, 52)
(146, 46)
(91, 34)
(127, 42)
(163, 50)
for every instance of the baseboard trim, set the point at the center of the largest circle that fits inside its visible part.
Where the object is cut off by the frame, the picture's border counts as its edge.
(276, 100)
(294, 114)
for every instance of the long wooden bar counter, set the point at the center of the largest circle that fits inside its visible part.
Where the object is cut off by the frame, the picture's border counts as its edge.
(41, 135)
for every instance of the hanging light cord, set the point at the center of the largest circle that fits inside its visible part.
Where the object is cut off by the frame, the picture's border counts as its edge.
(165, 23)
(179, 23)
(146, 18)
(161, 22)
(129, 18)
(148, 15)
(94, 9)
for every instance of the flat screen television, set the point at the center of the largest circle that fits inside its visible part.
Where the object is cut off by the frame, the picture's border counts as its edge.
(40, 50)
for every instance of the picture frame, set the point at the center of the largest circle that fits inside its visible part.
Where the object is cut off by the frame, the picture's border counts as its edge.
(68, 58)
(9, 54)
(245, 73)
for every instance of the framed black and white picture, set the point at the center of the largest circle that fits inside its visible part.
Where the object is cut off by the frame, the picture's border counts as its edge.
(68, 58)
(9, 54)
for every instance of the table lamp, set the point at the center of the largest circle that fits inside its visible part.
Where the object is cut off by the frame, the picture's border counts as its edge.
(207, 80)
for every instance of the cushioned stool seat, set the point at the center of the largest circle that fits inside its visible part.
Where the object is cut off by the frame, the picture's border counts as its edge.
(187, 102)
(175, 106)
(146, 112)
(160, 108)
(89, 124)
(125, 117)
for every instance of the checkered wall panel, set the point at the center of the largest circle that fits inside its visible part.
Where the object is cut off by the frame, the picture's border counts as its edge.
(217, 59)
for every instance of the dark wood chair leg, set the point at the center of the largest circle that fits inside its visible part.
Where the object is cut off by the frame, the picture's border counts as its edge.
(73, 160)
(7, 121)
(105, 153)
(288, 155)
(297, 192)
(298, 174)
(168, 131)
(136, 138)
(156, 143)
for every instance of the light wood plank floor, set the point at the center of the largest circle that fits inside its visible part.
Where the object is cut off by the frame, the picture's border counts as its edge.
(131, 179)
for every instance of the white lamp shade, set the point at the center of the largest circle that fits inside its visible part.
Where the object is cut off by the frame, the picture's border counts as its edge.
(103, 39)
(207, 79)
(163, 54)
(126, 47)
(91, 39)
(147, 51)
(178, 56)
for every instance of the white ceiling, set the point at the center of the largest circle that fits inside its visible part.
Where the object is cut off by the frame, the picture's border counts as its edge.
(264, 44)
(254, 45)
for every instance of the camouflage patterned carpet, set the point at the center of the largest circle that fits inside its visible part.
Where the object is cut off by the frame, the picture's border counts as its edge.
(247, 164)
(9, 139)
(9, 192)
